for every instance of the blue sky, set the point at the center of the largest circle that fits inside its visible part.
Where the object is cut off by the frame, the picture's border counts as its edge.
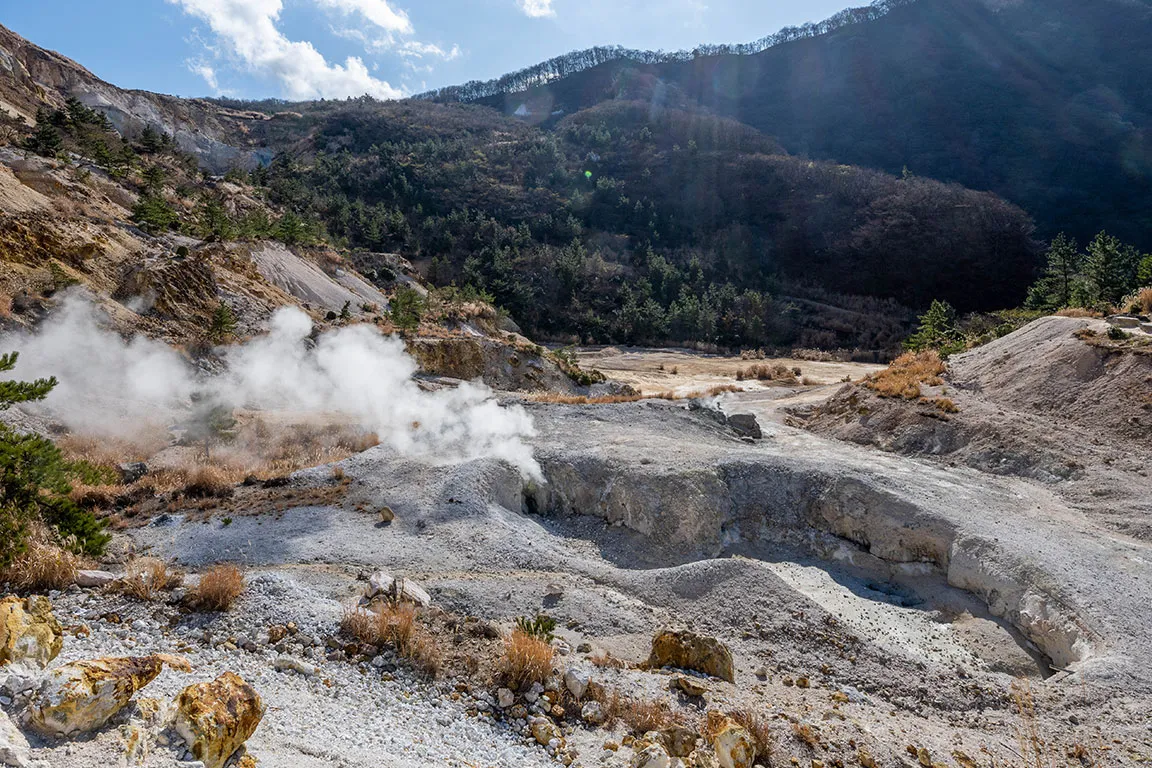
(336, 48)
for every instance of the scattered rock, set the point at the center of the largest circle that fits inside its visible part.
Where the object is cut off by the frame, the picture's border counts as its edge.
(505, 698)
(702, 759)
(387, 515)
(690, 686)
(687, 650)
(652, 756)
(286, 663)
(92, 579)
(592, 713)
(216, 718)
(132, 471)
(678, 740)
(14, 749)
(383, 586)
(577, 682)
(544, 730)
(84, 695)
(29, 631)
(745, 425)
(733, 745)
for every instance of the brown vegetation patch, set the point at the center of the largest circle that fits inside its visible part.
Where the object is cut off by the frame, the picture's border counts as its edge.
(218, 589)
(526, 660)
(639, 715)
(906, 373)
(44, 565)
(763, 372)
(146, 577)
(394, 624)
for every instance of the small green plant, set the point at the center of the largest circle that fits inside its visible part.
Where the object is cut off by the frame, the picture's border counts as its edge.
(346, 311)
(407, 308)
(540, 628)
(1116, 333)
(226, 522)
(223, 325)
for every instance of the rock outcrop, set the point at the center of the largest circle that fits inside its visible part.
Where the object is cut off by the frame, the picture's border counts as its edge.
(688, 650)
(733, 745)
(216, 718)
(83, 696)
(28, 631)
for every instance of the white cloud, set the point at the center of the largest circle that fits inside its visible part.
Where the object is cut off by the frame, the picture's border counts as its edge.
(206, 72)
(537, 9)
(248, 31)
(378, 12)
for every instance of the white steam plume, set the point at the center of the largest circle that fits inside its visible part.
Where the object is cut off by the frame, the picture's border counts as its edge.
(110, 386)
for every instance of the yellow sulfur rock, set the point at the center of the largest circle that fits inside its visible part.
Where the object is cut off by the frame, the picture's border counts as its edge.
(216, 718)
(733, 745)
(687, 650)
(84, 695)
(29, 631)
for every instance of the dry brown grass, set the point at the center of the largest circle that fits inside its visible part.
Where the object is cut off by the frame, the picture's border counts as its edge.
(607, 661)
(218, 588)
(44, 565)
(526, 660)
(1040, 750)
(146, 577)
(1142, 301)
(944, 404)
(394, 624)
(757, 726)
(1079, 312)
(906, 373)
(639, 715)
(764, 372)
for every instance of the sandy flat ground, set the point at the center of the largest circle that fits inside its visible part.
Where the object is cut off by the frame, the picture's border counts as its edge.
(684, 371)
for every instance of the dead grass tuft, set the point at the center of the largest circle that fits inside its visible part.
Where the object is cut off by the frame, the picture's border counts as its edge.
(394, 624)
(638, 715)
(1141, 301)
(764, 372)
(146, 577)
(43, 566)
(1079, 312)
(526, 660)
(906, 373)
(218, 588)
(607, 661)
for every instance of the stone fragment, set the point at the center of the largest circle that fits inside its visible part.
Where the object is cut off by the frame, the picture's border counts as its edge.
(678, 740)
(577, 682)
(216, 718)
(652, 756)
(14, 749)
(505, 698)
(132, 471)
(733, 745)
(383, 586)
(688, 650)
(82, 696)
(689, 685)
(387, 515)
(285, 663)
(592, 713)
(745, 425)
(92, 579)
(28, 631)
(544, 730)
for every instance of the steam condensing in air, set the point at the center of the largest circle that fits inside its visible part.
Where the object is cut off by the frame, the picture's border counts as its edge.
(111, 386)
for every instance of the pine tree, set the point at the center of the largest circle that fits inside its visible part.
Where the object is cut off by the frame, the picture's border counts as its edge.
(35, 480)
(46, 141)
(937, 330)
(1056, 287)
(223, 325)
(1110, 268)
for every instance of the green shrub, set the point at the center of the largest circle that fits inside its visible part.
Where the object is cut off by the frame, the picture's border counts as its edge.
(540, 628)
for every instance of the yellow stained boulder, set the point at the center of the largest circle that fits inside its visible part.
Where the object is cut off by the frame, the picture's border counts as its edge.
(733, 745)
(216, 718)
(688, 650)
(84, 695)
(29, 631)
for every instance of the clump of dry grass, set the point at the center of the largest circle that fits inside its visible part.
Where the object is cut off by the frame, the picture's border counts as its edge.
(944, 404)
(218, 588)
(906, 373)
(43, 565)
(1141, 301)
(526, 660)
(394, 624)
(764, 372)
(607, 661)
(638, 715)
(146, 577)
(1078, 312)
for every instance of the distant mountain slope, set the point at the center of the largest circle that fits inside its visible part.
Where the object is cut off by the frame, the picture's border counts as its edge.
(623, 222)
(1046, 102)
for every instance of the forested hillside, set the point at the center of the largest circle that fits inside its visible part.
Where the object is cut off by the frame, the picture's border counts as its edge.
(624, 223)
(1048, 103)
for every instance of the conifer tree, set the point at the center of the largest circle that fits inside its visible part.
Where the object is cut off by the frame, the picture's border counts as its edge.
(937, 330)
(223, 325)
